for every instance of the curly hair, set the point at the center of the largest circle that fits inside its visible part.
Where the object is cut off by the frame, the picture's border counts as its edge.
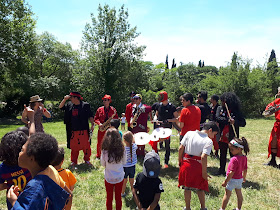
(10, 147)
(43, 147)
(112, 142)
(232, 100)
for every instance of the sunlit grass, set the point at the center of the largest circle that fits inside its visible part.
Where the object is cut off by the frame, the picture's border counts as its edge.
(262, 190)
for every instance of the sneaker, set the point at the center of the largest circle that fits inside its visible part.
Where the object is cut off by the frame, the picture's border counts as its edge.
(165, 166)
(73, 166)
(272, 163)
(88, 163)
(123, 195)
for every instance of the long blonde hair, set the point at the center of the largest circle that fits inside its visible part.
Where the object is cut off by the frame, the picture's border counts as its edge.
(128, 137)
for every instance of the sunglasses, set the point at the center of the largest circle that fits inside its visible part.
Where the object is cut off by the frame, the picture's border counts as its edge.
(105, 100)
(136, 98)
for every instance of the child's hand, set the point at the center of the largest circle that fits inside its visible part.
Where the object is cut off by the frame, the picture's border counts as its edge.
(205, 176)
(12, 194)
(244, 180)
(224, 184)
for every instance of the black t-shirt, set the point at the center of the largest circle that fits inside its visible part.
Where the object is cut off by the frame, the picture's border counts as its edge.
(205, 111)
(166, 112)
(147, 188)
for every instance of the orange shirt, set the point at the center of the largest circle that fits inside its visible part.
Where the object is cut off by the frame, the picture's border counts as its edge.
(51, 172)
(190, 116)
(67, 177)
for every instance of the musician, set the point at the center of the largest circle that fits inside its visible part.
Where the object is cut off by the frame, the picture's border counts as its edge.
(274, 140)
(76, 115)
(190, 116)
(225, 124)
(140, 114)
(102, 116)
(128, 109)
(203, 106)
(212, 117)
(166, 113)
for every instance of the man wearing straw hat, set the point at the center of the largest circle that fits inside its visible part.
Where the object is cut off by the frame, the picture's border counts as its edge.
(76, 115)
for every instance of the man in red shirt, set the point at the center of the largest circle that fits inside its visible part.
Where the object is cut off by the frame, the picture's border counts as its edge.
(141, 121)
(128, 110)
(103, 114)
(190, 116)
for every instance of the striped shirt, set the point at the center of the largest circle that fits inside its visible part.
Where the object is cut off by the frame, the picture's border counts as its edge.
(130, 162)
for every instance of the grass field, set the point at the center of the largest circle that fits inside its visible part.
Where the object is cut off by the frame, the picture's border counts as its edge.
(261, 191)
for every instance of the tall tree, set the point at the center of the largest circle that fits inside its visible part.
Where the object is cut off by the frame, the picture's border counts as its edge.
(17, 47)
(111, 51)
(273, 72)
(166, 62)
(173, 63)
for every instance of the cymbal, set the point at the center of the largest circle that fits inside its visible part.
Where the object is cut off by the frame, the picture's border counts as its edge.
(142, 138)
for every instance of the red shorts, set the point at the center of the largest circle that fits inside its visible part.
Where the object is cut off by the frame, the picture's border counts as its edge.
(190, 174)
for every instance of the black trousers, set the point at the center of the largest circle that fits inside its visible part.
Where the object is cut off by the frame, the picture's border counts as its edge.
(223, 155)
(167, 150)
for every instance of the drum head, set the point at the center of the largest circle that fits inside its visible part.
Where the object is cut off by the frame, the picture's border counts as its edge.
(165, 133)
(155, 134)
(142, 138)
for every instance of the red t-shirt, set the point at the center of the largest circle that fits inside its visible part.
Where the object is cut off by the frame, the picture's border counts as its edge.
(190, 116)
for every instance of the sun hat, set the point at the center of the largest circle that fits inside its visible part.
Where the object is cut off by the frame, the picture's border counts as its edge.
(35, 98)
(138, 96)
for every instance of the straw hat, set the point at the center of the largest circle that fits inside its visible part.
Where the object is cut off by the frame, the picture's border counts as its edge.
(35, 98)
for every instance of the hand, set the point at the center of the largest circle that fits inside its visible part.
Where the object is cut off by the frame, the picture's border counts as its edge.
(67, 97)
(100, 126)
(244, 180)
(13, 194)
(231, 121)
(224, 184)
(205, 176)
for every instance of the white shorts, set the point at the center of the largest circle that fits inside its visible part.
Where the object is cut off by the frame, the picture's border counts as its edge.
(234, 184)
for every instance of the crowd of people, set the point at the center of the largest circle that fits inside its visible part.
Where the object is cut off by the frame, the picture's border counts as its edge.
(31, 169)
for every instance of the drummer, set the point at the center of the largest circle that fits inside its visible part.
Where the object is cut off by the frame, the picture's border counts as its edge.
(166, 114)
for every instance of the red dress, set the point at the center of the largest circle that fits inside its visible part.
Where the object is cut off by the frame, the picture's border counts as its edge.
(275, 129)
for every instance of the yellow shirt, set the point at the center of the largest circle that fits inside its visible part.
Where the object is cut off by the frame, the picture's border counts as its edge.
(51, 172)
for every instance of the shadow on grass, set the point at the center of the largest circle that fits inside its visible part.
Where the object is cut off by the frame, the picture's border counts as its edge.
(213, 191)
(253, 185)
(6, 122)
(170, 172)
(129, 202)
(212, 170)
(81, 168)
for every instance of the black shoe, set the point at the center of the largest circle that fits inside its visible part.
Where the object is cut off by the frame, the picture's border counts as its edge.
(272, 163)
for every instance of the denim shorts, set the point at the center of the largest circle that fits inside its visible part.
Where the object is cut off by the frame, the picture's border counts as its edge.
(129, 171)
(234, 184)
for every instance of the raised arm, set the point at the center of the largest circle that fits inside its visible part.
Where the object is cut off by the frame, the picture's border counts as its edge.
(62, 103)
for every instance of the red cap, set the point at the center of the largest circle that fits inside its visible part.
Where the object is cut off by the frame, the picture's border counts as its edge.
(77, 94)
(162, 96)
(107, 97)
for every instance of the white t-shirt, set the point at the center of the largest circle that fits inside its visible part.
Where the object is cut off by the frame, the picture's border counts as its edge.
(123, 119)
(113, 172)
(196, 143)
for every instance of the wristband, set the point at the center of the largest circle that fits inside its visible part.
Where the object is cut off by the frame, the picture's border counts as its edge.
(44, 110)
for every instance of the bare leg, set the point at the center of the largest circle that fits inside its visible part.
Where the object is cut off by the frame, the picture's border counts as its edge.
(226, 198)
(201, 197)
(239, 198)
(131, 182)
(124, 185)
(187, 194)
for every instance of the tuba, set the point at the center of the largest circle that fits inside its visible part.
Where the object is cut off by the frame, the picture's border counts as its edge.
(107, 124)
(133, 122)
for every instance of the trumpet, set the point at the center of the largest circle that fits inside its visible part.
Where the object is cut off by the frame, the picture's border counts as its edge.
(133, 122)
(271, 110)
(107, 124)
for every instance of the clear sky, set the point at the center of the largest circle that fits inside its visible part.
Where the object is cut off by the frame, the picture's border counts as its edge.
(187, 30)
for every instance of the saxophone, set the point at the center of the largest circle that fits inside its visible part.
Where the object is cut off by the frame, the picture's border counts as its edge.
(133, 122)
(107, 124)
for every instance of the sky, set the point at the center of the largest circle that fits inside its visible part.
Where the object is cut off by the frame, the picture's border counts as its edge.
(186, 30)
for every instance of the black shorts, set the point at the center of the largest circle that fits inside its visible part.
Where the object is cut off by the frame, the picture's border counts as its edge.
(129, 171)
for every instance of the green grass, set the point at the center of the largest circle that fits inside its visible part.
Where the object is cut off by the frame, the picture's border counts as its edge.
(261, 191)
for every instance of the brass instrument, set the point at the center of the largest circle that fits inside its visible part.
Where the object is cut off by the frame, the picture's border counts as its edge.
(133, 122)
(107, 124)
(271, 110)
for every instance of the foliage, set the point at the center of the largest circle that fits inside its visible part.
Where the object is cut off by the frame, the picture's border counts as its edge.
(112, 56)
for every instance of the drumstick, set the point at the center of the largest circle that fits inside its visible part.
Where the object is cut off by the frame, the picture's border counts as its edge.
(230, 119)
